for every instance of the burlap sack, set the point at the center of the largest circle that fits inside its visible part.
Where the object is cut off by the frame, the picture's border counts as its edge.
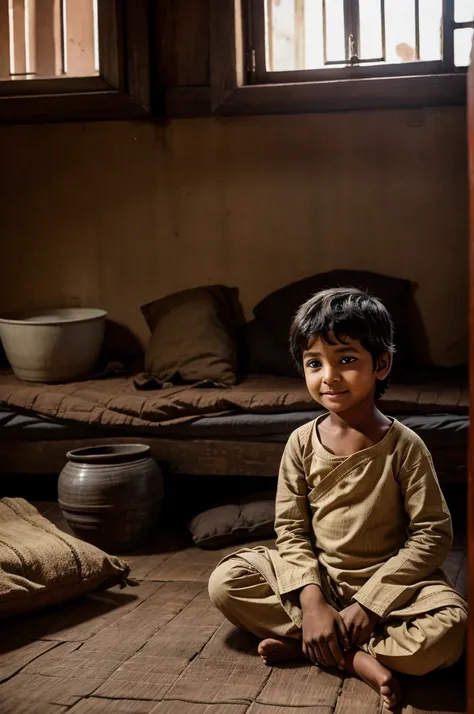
(42, 566)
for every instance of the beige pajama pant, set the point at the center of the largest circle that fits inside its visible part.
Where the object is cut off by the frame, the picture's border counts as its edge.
(415, 645)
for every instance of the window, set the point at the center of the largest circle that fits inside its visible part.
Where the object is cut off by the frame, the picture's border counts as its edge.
(302, 40)
(288, 56)
(74, 59)
(48, 38)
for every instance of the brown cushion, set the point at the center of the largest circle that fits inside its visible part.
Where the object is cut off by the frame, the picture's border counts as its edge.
(277, 310)
(252, 517)
(42, 566)
(193, 336)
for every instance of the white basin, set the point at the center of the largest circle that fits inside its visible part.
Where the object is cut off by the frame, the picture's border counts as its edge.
(57, 345)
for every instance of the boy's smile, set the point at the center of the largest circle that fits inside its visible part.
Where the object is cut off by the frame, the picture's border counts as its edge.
(341, 375)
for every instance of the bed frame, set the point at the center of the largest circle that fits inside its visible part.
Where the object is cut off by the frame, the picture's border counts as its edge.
(194, 457)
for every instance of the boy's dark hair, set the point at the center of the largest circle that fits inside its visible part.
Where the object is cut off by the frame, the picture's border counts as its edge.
(345, 312)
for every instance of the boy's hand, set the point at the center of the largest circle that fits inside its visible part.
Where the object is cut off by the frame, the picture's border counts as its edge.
(324, 633)
(360, 623)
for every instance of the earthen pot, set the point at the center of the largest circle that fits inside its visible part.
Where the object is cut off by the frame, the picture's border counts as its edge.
(111, 496)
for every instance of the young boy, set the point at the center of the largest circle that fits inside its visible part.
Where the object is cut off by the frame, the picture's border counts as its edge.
(362, 526)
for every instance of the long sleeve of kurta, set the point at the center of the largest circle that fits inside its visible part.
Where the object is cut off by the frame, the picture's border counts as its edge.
(429, 538)
(293, 522)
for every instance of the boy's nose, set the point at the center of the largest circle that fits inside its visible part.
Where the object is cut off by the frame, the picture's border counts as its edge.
(331, 375)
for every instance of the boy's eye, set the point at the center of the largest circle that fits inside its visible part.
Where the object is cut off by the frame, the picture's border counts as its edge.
(348, 359)
(313, 364)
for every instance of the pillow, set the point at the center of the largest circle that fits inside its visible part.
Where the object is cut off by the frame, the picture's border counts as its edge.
(42, 566)
(277, 310)
(261, 353)
(193, 336)
(252, 517)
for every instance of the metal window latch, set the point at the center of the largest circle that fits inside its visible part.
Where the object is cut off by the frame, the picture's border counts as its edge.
(353, 56)
(252, 61)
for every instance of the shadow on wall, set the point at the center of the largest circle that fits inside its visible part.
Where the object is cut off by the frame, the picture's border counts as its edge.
(119, 342)
(419, 335)
(278, 309)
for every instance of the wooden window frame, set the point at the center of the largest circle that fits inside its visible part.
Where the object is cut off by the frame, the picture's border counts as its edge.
(237, 85)
(121, 90)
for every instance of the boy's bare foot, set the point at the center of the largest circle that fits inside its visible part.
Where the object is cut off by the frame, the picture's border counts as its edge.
(376, 676)
(275, 650)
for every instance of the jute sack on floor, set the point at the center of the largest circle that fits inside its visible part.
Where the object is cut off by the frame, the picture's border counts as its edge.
(42, 566)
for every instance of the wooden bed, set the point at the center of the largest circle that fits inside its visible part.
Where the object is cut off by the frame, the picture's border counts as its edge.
(199, 431)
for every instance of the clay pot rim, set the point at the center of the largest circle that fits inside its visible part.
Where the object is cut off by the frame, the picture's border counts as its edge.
(53, 316)
(108, 453)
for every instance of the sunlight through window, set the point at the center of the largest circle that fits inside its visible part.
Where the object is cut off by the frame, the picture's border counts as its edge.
(317, 34)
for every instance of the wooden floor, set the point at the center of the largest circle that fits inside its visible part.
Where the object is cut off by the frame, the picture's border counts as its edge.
(163, 648)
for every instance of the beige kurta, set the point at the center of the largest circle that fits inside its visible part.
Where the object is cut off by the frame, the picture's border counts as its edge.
(372, 527)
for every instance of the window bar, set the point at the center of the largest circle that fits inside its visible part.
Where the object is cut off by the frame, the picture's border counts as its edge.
(448, 33)
(95, 12)
(417, 29)
(248, 8)
(17, 38)
(325, 32)
(300, 43)
(384, 30)
(63, 37)
(348, 31)
(352, 30)
(257, 19)
(269, 34)
(5, 40)
(11, 34)
(29, 40)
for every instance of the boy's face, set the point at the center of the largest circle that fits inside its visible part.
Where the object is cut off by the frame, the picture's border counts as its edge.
(342, 375)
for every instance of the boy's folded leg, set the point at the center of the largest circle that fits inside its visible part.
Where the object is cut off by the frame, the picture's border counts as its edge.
(420, 644)
(245, 597)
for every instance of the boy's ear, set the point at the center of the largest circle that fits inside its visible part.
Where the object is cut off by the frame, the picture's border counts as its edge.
(384, 365)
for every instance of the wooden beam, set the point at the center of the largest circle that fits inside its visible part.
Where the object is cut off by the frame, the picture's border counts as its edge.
(227, 61)
(137, 51)
(187, 102)
(101, 104)
(186, 456)
(194, 457)
(111, 43)
(470, 533)
(260, 30)
(383, 93)
(181, 42)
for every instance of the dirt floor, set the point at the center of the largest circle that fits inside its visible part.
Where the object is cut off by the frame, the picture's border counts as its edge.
(163, 648)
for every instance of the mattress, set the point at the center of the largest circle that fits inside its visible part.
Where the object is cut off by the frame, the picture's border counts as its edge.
(437, 430)
(117, 402)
